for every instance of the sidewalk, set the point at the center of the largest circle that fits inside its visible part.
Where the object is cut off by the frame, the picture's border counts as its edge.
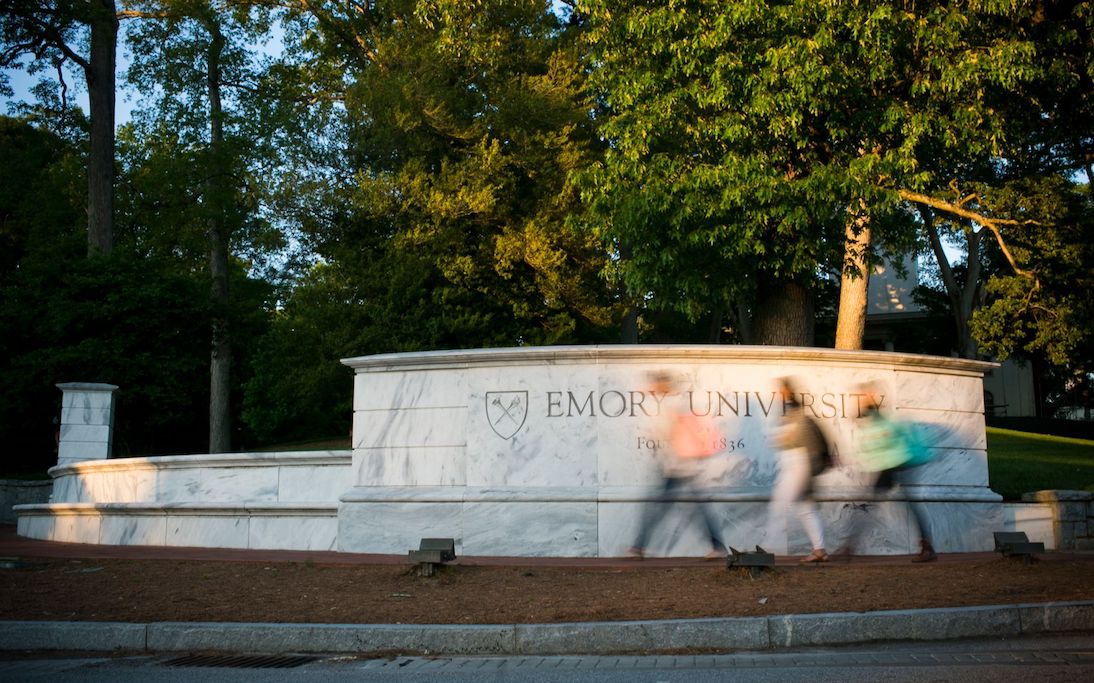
(672, 635)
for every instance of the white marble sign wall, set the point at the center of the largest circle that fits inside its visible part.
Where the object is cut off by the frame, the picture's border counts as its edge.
(550, 451)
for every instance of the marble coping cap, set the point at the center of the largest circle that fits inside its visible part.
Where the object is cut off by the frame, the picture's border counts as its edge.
(658, 353)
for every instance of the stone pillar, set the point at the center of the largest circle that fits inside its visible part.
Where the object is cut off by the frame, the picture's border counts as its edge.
(87, 422)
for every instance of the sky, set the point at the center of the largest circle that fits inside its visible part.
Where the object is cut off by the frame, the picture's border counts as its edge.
(21, 83)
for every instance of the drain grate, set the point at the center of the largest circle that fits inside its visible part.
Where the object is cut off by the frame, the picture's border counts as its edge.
(241, 661)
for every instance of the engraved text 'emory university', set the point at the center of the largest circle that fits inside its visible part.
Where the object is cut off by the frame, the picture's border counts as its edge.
(713, 403)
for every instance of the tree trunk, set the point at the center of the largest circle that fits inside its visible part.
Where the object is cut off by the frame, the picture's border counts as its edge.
(963, 297)
(100, 167)
(628, 334)
(854, 283)
(220, 361)
(783, 314)
(970, 293)
(744, 322)
(714, 331)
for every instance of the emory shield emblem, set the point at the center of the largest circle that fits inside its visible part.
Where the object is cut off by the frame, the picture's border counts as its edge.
(506, 411)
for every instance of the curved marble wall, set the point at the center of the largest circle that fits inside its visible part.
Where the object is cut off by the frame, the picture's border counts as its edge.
(546, 451)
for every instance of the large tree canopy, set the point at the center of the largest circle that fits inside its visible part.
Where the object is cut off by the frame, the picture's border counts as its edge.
(415, 174)
(746, 137)
(460, 128)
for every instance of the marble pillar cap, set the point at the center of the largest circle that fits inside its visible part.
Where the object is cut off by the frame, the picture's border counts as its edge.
(86, 386)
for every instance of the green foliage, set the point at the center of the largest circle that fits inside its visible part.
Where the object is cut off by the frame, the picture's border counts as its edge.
(1025, 300)
(119, 320)
(1051, 316)
(1020, 462)
(1034, 254)
(179, 179)
(742, 134)
(462, 125)
(41, 188)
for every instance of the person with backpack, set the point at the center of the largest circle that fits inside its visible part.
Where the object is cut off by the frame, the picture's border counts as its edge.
(888, 453)
(802, 454)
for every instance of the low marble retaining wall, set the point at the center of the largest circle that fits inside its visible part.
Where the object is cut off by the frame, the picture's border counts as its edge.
(239, 500)
(287, 526)
(1034, 519)
(550, 451)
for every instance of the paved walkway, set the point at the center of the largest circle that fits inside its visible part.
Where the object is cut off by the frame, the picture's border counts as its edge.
(721, 634)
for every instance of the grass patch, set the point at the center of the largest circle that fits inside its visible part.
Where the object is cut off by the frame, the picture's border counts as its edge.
(1020, 462)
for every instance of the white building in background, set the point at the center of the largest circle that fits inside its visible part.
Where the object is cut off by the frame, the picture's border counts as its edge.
(891, 294)
(1008, 389)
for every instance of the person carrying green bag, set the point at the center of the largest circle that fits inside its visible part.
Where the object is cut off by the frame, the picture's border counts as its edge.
(888, 451)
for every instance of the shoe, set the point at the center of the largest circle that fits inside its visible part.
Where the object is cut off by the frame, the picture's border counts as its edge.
(634, 553)
(818, 555)
(716, 554)
(926, 552)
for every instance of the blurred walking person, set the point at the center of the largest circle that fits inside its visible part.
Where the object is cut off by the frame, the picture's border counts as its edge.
(684, 442)
(888, 454)
(803, 454)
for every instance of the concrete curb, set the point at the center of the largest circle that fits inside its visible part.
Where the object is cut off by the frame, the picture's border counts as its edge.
(747, 633)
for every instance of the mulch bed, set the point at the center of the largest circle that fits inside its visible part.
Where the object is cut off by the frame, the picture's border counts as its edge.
(142, 590)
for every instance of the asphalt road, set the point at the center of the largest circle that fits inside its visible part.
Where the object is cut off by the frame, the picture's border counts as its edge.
(1057, 658)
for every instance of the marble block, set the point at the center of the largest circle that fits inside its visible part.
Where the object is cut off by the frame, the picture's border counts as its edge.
(563, 529)
(138, 529)
(397, 527)
(949, 393)
(294, 531)
(234, 484)
(179, 485)
(99, 414)
(409, 428)
(313, 483)
(550, 451)
(193, 528)
(965, 527)
(433, 389)
(67, 488)
(422, 466)
(85, 433)
(69, 452)
(114, 486)
(306, 476)
(38, 525)
(75, 527)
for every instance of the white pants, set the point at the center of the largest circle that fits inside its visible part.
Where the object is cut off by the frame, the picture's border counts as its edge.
(790, 486)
